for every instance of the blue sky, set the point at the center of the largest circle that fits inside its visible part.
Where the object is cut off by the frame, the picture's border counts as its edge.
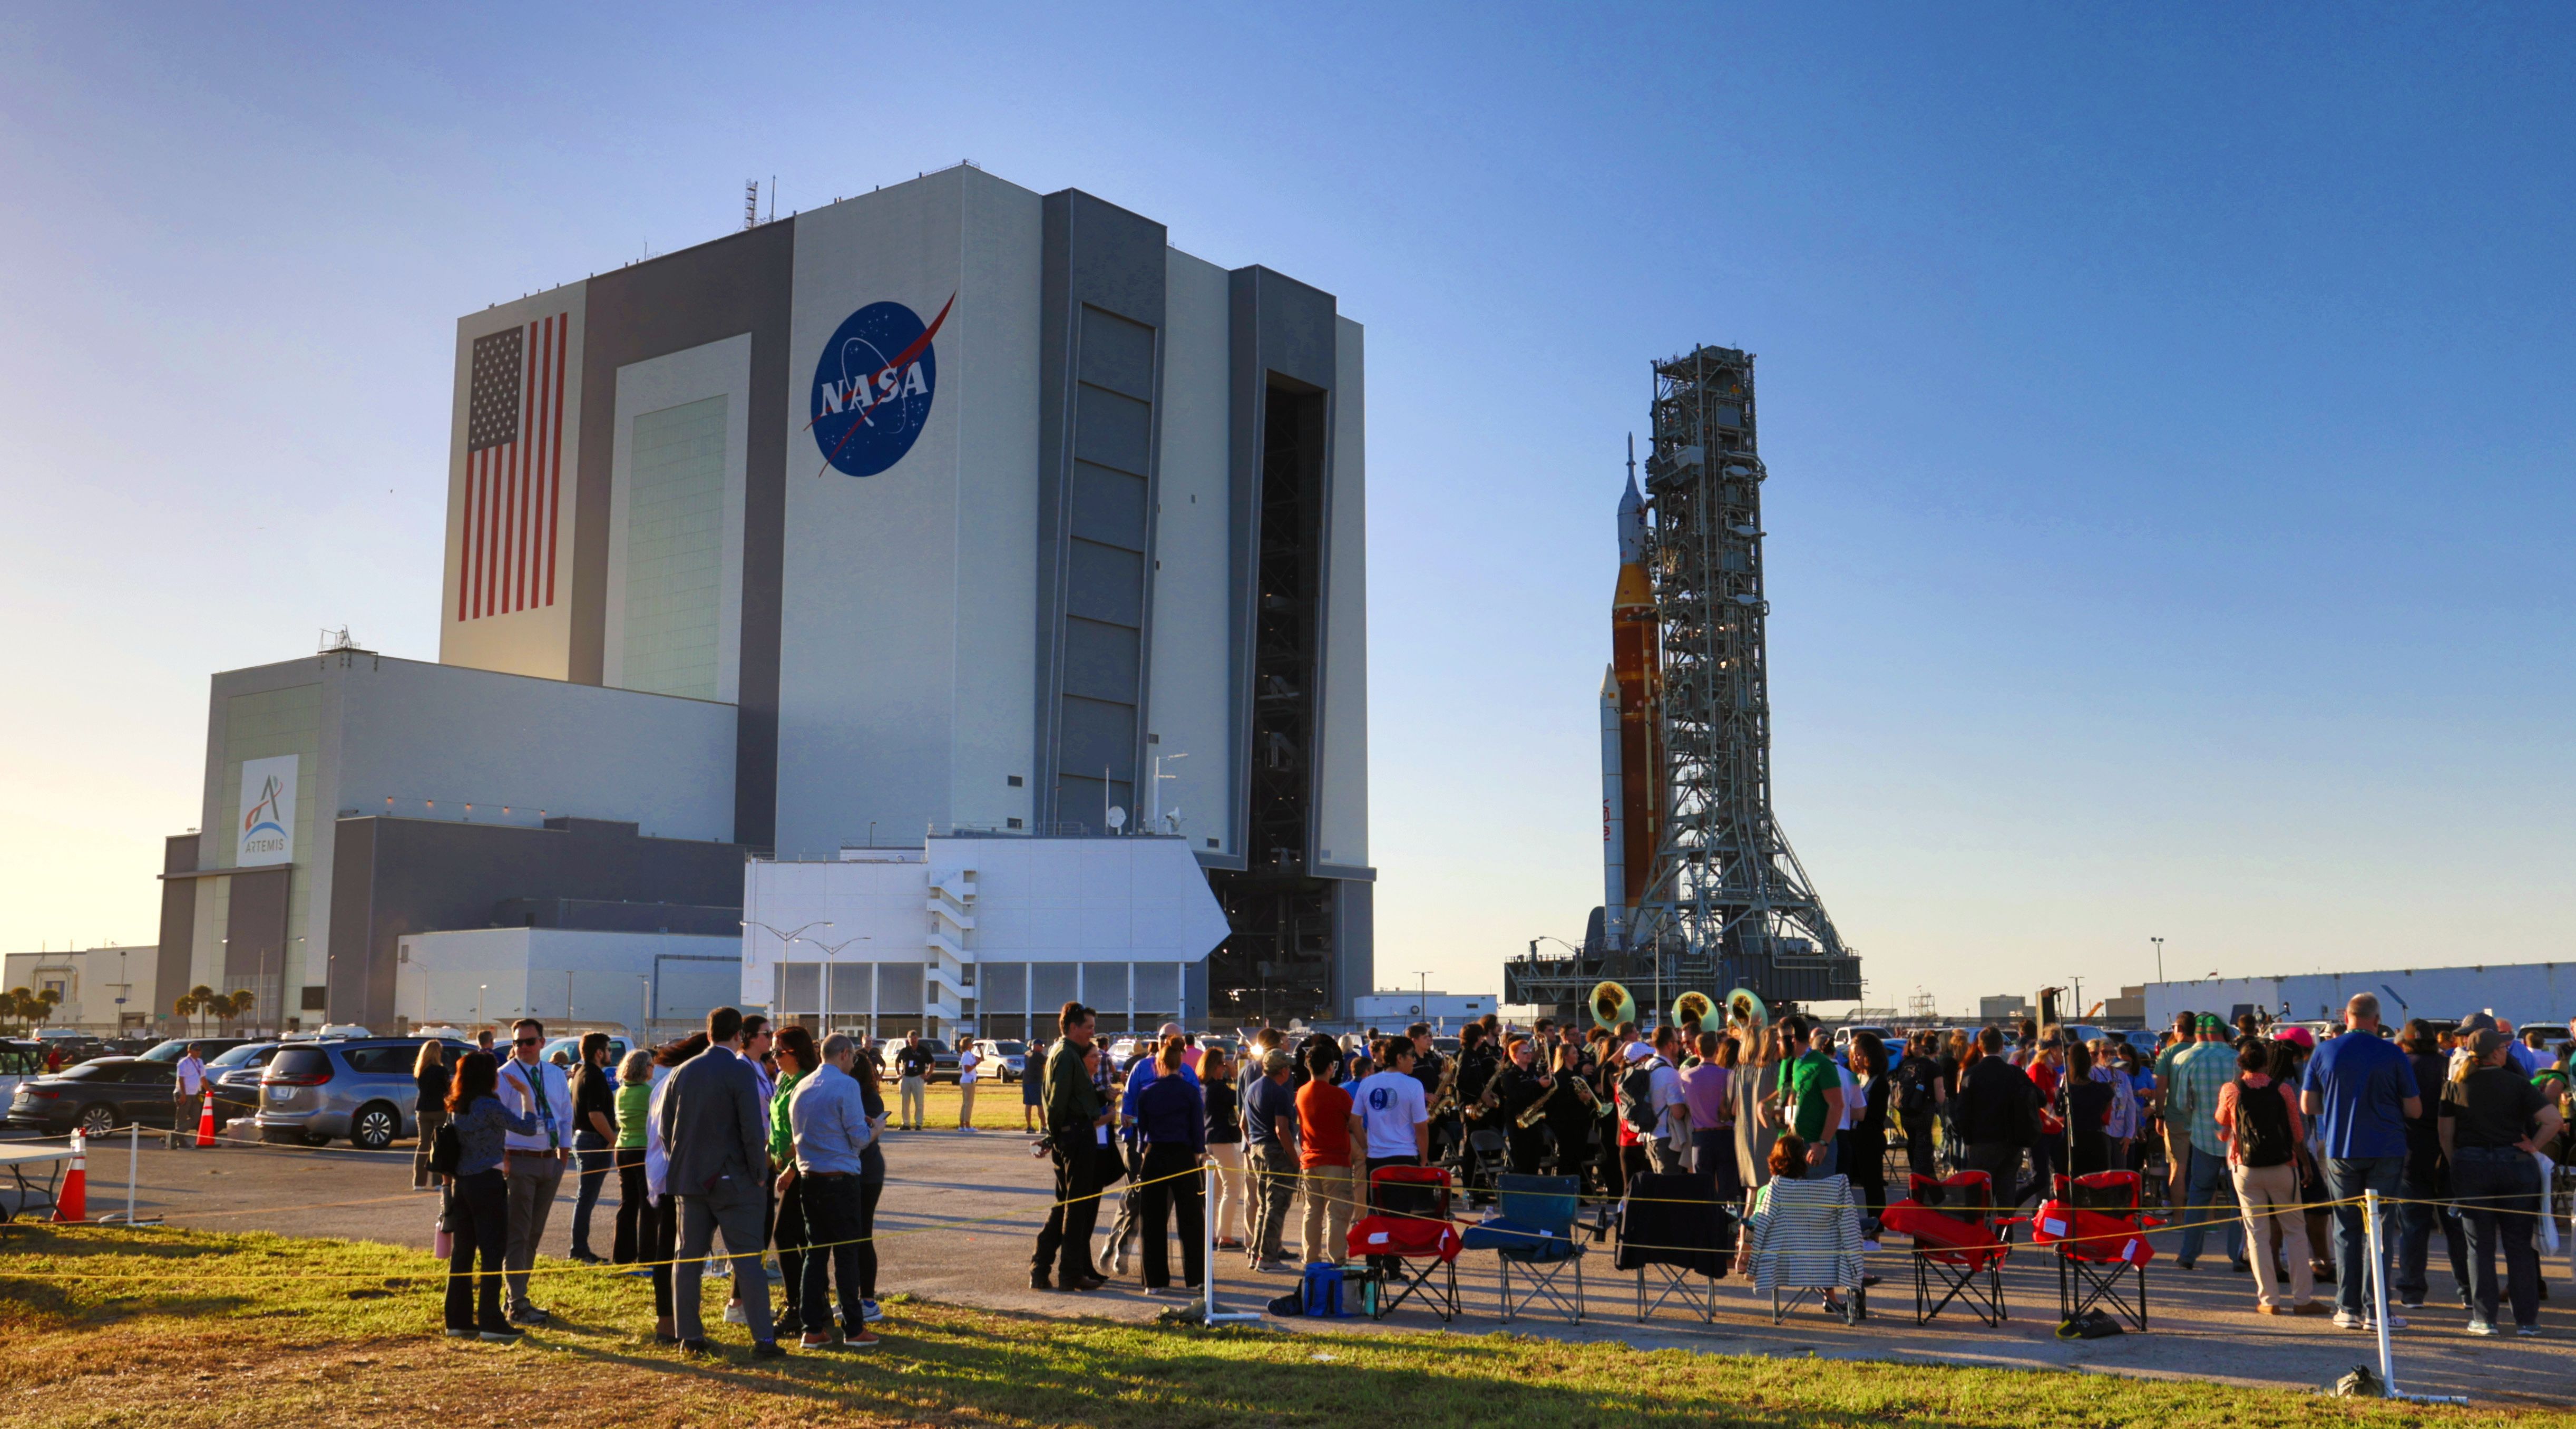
(2166, 411)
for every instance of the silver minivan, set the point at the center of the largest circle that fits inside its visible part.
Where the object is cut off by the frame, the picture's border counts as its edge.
(361, 1089)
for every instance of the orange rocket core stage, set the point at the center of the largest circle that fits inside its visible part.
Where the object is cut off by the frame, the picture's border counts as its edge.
(1638, 669)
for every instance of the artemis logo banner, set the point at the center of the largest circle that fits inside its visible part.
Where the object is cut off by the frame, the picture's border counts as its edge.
(873, 387)
(266, 833)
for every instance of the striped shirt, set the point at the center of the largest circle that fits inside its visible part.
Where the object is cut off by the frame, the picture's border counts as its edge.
(2192, 1088)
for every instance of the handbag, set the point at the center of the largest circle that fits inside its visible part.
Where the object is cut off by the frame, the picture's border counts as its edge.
(446, 1149)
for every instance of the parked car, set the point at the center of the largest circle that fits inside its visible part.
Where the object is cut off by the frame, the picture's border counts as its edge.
(95, 1097)
(570, 1048)
(172, 1049)
(234, 1074)
(361, 1089)
(1008, 1058)
(943, 1058)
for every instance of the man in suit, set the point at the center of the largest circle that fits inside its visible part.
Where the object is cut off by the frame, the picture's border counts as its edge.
(711, 1122)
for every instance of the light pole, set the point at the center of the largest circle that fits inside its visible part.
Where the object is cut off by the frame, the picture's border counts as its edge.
(831, 974)
(644, 994)
(787, 940)
(2160, 958)
(1154, 818)
(479, 990)
(1422, 995)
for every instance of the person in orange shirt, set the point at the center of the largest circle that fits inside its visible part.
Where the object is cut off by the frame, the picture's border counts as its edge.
(1324, 1161)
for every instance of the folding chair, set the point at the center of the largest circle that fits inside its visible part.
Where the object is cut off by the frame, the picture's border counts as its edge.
(1408, 1221)
(1805, 1235)
(1952, 1223)
(1673, 1228)
(1535, 1231)
(2093, 1225)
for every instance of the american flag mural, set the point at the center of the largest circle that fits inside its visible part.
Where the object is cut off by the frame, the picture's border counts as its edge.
(513, 469)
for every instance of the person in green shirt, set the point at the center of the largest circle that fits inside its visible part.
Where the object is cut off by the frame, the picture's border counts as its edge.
(2177, 1135)
(634, 1098)
(797, 1059)
(1811, 1095)
(1076, 1137)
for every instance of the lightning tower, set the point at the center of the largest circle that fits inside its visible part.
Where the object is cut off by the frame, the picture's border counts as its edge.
(1726, 903)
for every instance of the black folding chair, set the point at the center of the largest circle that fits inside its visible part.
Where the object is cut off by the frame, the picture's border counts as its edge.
(1679, 1239)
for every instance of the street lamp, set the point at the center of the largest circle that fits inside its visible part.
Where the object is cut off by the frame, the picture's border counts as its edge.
(2160, 958)
(787, 940)
(831, 973)
(479, 990)
(1422, 995)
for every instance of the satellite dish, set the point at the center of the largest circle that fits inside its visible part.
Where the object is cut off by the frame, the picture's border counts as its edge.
(1117, 817)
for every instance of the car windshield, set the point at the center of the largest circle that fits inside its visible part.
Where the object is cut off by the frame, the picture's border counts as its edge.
(253, 1052)
(1011, 1049)
(933, 1044)
(169, 1051)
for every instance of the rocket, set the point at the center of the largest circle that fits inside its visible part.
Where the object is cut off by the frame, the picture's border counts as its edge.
(1632, 756)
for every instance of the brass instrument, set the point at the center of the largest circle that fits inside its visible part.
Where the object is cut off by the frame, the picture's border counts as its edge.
(1611, 1005)
(1693, 1009)
(1537, 1109)
(1444, 1097)
(1745, 1006)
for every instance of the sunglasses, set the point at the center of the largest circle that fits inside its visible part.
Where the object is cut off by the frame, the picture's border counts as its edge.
(529, 1042)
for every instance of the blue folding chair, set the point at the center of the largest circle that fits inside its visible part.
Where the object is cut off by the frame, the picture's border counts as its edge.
(1534, 1229)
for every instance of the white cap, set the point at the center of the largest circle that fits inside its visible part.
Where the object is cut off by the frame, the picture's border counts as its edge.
(1639, 1051)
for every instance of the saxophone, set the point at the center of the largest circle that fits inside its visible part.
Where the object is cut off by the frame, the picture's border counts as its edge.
(1537, 1109)
(1444, 1099)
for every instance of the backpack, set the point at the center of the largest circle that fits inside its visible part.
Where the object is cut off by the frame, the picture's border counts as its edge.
(2262, 1125)
(1914, 1086)
(1637, 1097)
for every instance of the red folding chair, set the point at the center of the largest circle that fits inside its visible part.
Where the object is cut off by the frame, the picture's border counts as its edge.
(2094, 1226)
(1406, 1239)
(1956, 1246)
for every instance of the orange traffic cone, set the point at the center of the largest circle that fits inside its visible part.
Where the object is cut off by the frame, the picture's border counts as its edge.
(206, 1120)
(72, 1205)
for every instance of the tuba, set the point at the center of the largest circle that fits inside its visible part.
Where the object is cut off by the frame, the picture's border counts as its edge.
(1692, 1009)
(1611, 1005)
(1745, 1006)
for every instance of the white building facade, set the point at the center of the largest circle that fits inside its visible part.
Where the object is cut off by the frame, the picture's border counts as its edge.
(982, 936)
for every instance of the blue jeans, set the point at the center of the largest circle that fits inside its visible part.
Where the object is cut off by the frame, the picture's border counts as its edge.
(2210, 1195)
(596, 1164)
(2346, 1178)
(2499, 1195)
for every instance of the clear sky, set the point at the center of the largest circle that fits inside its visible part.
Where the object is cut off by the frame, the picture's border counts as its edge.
(2167, 411)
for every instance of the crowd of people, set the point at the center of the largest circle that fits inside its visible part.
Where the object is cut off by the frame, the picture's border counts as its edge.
(762, 1139)
(768, 1140)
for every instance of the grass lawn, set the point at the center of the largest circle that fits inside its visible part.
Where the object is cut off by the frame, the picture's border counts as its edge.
(185, 1328)
(997, 1104)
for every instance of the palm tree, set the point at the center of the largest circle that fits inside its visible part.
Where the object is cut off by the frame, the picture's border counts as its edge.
(239, 1004)
(18, 1005)
(201, 999)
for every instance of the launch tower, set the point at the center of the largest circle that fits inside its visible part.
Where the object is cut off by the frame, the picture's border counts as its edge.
(1727, 903)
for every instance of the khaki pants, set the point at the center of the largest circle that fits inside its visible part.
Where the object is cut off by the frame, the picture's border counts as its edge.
(184, 1117)
(2272, 1193)
(1233, 1198)
(1328, 1213)
(965, 1103)
(916, 1103)
(532, 1182)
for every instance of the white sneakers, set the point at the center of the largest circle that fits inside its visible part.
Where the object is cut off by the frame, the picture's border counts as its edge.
(2346, 1320)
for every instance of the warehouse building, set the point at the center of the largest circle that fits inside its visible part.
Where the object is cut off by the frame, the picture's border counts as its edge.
(949, 509)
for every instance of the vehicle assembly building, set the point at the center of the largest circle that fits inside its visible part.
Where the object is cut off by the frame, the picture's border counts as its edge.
(949, 509)
(1702, 891)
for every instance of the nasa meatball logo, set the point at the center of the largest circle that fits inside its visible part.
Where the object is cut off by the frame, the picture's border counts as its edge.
(873, 387)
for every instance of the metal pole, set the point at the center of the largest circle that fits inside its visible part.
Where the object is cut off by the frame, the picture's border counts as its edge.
(1207, 1257)
(133, 1159)
(2378, 1293)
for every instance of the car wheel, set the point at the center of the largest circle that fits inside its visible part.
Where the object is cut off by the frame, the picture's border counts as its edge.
(96, 1120)
(374, 1127)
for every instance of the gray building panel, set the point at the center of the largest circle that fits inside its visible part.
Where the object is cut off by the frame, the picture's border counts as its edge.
(401, 876)
(1102, 309)
(737, 284)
